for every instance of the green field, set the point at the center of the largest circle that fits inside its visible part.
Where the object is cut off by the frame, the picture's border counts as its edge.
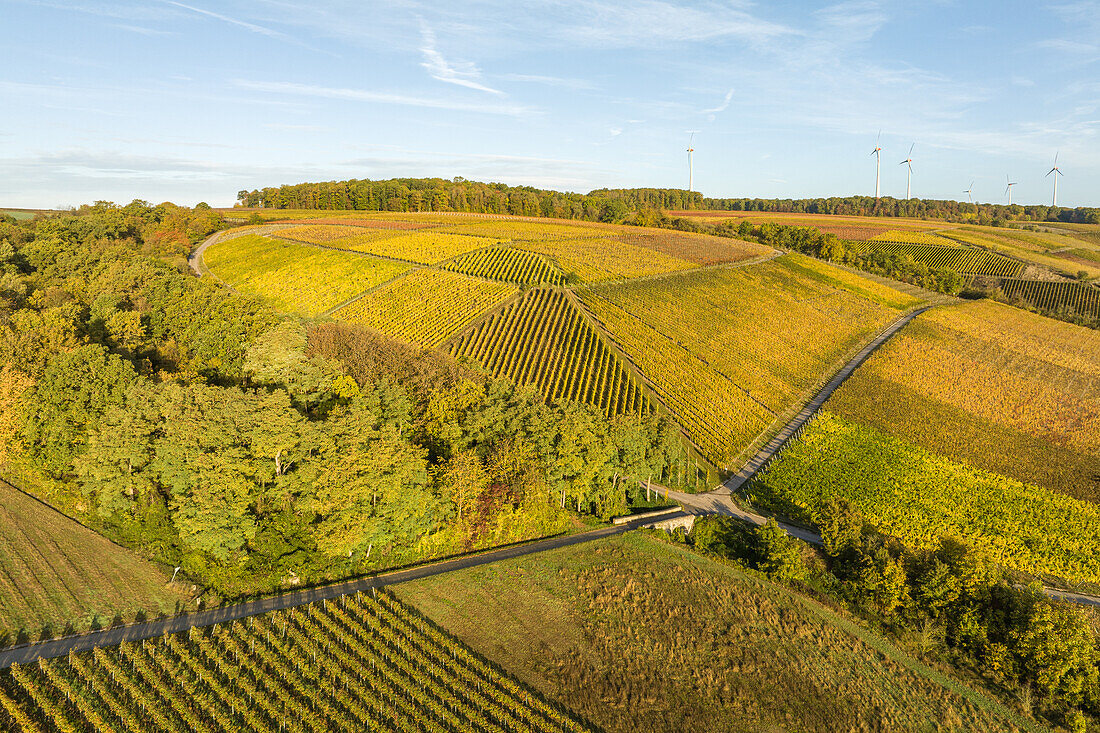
(729, 349)
(544, 339)
(358, 663)
(296, 278)
(55, 573)
(1001, 389)
(917, 496)
(639, 635)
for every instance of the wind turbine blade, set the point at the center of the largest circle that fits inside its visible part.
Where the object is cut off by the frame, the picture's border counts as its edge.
(911, 150)
(1056, 159)
(1050, 171)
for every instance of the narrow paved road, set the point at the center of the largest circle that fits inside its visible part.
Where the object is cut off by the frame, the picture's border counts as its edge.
(157, 628)
(792, 429)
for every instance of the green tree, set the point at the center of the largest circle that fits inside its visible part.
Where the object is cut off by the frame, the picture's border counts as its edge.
(778, 554)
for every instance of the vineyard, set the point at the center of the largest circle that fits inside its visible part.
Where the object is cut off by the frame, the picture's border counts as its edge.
(506, 230)
(353, 664)
(511, 265)
(426, 307)
(964, 260)
(912, 237)
(1049, 250)
(295, 278)
(728, 349)
(596, 259)
(427, 248)
(544, 340)
(699, 249)
(328, 233)
(999, 388)
(1055, 296)
(918, 497)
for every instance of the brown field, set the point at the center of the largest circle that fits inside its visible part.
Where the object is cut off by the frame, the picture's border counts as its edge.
(55, 572)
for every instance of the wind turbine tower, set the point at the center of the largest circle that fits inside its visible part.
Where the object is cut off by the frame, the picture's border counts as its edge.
(1057, 172)
(1008, 188)
(877, 152)
(691, 163)
(969, 191)
(909, 174)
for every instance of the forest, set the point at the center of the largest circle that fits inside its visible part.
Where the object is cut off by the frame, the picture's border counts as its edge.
(255, 450)
(618, 205)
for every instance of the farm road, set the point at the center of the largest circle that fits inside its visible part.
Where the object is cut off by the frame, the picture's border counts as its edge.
(154, 629)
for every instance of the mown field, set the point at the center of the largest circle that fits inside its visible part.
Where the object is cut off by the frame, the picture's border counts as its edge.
(359, 663)
(639, 635)
(998, 388)
(729, 349)
(917, 496)
(54, 573)
(295, 278)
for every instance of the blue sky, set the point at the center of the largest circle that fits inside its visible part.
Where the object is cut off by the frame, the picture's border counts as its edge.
(195, 100)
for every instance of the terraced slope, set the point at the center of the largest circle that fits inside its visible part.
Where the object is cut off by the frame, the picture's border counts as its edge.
(54, 572)
(295, 278)
(426, 307)
(357, 664)
(543, 339)
(729, 349)
(1001, 389)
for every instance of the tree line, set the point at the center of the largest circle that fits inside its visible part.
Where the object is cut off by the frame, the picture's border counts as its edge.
(255, 450)
(460, 195)
(618, 205)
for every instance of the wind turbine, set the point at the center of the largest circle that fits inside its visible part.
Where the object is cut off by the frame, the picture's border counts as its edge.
(908, 162)
(691, 163)
(1057, 172)
(877, 152)
(1008, 188)
(969, 191)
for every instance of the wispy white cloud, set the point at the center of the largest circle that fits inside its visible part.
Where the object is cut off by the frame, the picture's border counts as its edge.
(294, 128)
(857, 20)
(463, 73)
(142, 30)
(252, 27)
(363, 95)
(609, 24)
(1065, 45)
(551, 81)
(721, 107)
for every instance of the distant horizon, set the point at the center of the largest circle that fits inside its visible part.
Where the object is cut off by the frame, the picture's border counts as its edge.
(192, 101)
(233, 204)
